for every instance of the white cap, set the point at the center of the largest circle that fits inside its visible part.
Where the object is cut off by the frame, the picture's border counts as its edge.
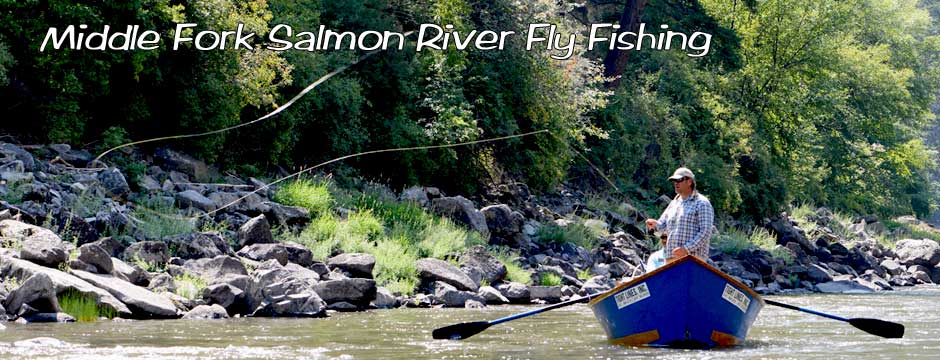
(681, 173)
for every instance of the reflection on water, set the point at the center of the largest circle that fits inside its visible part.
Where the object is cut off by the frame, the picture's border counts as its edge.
(567, 333)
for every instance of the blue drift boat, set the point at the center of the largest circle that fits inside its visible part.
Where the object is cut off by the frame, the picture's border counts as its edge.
(686, 303)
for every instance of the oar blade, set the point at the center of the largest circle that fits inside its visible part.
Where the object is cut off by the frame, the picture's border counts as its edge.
(885, 329)
(460, 331)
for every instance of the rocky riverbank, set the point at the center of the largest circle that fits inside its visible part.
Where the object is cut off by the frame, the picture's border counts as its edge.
(70, 228)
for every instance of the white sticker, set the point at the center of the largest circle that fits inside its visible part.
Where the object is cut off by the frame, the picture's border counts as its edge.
(736, 297)
(632, 295)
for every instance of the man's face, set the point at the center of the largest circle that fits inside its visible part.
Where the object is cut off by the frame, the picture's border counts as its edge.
(683, 186)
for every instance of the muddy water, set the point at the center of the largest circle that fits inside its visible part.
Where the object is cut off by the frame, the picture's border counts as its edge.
(568, 333)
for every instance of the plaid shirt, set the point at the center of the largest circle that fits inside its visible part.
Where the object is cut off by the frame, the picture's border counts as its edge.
(688, 224)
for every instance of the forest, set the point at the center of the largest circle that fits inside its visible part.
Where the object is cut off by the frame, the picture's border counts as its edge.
(825, 102)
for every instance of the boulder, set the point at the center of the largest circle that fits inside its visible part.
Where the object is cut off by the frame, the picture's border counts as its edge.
(242, 202)
(214, 269)
(414, 194)
(287, 215)
(918, 252)
(384, 299)
(491, 295)
(200, 245)
(162, 283)
(449, 296)
(97, 257)
(10, 153)
(818, 274)
(21, 269)
(176, 161)
(193, 199)
(357, 265)
(487, 266)
(206, 312)
(431, 270)
(502, 221)
(843, 287)
(143, 303)
(153, 253)
(515, 292)
(114, 183)
(39, 245)
(354, 290)
(37, 293)
(110, 245)
(282, 252)
(549, 294)
(229, 297)
(58, 317)
(892, 266)
(461, 211)
(255, 231)
(133, 274)
(787, 232)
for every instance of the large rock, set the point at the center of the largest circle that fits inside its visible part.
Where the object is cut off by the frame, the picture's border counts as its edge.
(481, 262)
(39, 245)
(143, 303)
(431, 270)
(200, 245)
(461, 211)
(214, 269)
(384, 299)
(37, 292)
(193, 199)
(206, 312)
(154, 253)
(242, 201)
(491, 295)
(277, 290)
(133, 274)
(114, 183)
(502, 221)
(176, 161)
(415, 194)
(230, 297)
(516, 293)
(282, 252)
(21, 269)
(449, 296)
(353, 290)
(255, 231)
(10, 153)
(99, 258)
(918, 252)
(549, 294)
(843, 287)
(357, 265)
(287, 215)
(787, 232)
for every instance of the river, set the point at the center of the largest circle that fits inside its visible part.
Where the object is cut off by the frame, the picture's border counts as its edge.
(567, 333)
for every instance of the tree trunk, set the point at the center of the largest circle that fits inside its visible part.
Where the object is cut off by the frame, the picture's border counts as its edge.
(616, 60)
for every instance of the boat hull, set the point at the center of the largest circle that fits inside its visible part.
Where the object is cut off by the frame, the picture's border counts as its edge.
(686, 303)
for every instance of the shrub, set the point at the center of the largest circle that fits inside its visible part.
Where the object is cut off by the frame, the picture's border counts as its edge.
(576, 233)
(159, 219)
(306, 193)
(189, 286)
(731, 241)
(549, 279)
(83, 307)
(514, 271)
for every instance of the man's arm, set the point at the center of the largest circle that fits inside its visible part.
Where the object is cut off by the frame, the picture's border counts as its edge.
(706, 219)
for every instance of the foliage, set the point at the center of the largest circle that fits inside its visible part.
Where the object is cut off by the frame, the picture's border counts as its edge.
(585, 274)
(306, 193)
(514, 270)
(575, 232)
(84, 308)
(549, 279)
(189, 286)
(158, 219)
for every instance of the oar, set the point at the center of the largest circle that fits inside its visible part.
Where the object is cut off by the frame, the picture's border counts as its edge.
(885, 329)
(468, 329)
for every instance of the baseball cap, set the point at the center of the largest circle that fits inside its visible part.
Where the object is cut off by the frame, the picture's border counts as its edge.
(681, 173)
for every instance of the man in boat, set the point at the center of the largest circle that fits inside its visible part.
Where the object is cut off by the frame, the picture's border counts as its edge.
(688, 220)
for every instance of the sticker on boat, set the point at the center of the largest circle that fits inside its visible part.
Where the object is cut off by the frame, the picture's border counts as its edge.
(736, 297)
(632, 295)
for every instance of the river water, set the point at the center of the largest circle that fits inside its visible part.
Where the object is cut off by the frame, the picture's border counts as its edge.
(567, 333)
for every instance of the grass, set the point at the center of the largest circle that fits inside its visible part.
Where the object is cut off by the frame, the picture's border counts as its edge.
(146, 265)
(731, 241)
(576, 233)
(86, 204)
(159, 219)
(514, 270)
(82, 307)
(189, 286)
(585, 274)
(397, 234)
(549, 279)
(14, 193)
(307, 193)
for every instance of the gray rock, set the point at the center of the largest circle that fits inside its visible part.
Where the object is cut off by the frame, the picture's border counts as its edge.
(449, 296)
(818, 274)
(255, 231)
(10, 153)
(549, 294)
(357, 265)
(97, 257)
(431, 270)
(516, 293)
(354, 290)
(287, 215)
(461, 211)
(149, 184)
(282, 252)
(502, 221)
(58, 317)
(242, 202)
(215, 268)
(130, 273)
(918, 252)
(152, 252)
(892, 266)
(21, 269)
(490, 269)
(112, 246)
(295, 305)
(206, 312)
(200, 245)
(843, 287)
(37, 293)
(39, 245)
(414, 194)
(176, 161)
(114, 183)
(229, 297)
(491, 295)
(193, 199)
(143, 303)
(596, 285)
(162, 283)
(787, 232)
(384, 299)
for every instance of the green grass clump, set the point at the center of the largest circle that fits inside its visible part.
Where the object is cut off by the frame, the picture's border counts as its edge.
(576, 233)
(159, 220)
(189, 286)
(312, 195)
(514, 271)
(585, 274)
(549, 279)
(83, 308)
(731, 241)
(395, 267)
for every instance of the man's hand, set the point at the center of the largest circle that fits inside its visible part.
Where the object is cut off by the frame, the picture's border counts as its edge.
(679, 252)
(651, 224)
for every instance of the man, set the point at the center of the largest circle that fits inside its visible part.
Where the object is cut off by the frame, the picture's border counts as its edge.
(688, 220)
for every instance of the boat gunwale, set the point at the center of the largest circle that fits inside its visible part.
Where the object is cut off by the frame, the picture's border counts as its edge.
(673, 263)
